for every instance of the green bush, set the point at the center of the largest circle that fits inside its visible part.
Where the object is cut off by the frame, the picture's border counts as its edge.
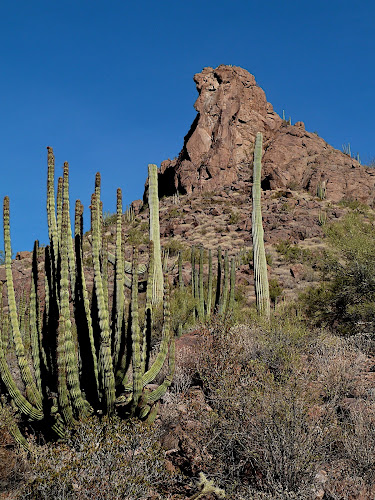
(346, 299)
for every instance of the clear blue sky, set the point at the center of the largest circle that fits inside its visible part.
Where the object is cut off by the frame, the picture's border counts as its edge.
(108, 84)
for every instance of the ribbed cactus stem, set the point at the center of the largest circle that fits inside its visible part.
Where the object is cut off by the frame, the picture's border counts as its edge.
(34, 318)
(32, 392)
(232, 284)
(260, 263)
(99, 211)
(51, 212)
(59, 203)
(104, 266)
(119, 283)
(161, 390)
(218, 282)
(224, 296)
(209, 286)
(200, 287)
(21, 402)
(180, 277)
(72, 266)
(105, 355)
(62, 385)
(153, 201)
(70, 352)
(146, 348)
(82, 300)
(136, 337)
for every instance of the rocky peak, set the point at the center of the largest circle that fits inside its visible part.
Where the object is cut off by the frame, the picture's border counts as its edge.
(218, 148)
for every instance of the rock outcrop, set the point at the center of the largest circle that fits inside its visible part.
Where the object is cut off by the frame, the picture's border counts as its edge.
(218, 149)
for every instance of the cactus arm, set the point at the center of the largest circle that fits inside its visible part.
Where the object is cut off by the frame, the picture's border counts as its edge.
(153, 201)
(162, 389)
(136, 337)
(200, 287)
(209, 287)
(260, 263)
(70, 352)
(51, 213)
(105, 355)
(34, 318)
(180, 277)
(59, 203)
(232, 284)
(72, 270)
(21, 402)
(62, 386)
(82, 300)
(31, 390)
(146, 348)
(118, 299)
(224, 296)
(218, 283)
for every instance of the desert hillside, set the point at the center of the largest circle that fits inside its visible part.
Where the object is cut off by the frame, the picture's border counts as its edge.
(236, 404)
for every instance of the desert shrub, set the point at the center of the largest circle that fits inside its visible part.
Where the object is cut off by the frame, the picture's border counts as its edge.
(337, 367)
(136, 236)
(101, 459)
(275, 289)
(359, 441)
(290, 252)
(261, 435)
(234, 218)
(346, 300)
(109, 219)
(354, 205)
(173, 246)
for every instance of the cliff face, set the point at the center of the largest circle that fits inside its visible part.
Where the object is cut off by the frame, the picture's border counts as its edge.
(218, 149)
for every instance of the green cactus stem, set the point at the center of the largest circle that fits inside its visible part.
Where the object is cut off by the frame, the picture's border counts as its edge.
(59, 202)
(70, 249)
(136, 337)
(200, 287)
(218, 282)
(260, 263)
(51, 213)
(34, 318)
(180, 276)
(105, 355)
(153, 201)
(146, 348)
(224, 296)
(90, 375)
(33, 395)
(232, 284)
(118, 299)
(70, 357)
(209, 286)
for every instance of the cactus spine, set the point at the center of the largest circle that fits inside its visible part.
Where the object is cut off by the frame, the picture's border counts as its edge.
(260, 263)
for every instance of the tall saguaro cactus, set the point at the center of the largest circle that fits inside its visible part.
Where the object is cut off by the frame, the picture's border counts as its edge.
(260, 263)
(153, 201)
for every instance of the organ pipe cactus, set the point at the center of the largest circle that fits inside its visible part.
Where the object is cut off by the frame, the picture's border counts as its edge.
(77, 351)
(260, 263)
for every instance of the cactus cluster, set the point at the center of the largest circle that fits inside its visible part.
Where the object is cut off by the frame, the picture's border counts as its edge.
(88, 355)
(225, 284)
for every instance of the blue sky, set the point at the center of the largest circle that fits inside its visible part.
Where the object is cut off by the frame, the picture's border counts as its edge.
(109, 85)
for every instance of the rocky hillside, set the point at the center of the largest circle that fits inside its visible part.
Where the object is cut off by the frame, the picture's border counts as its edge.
(218, 148)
